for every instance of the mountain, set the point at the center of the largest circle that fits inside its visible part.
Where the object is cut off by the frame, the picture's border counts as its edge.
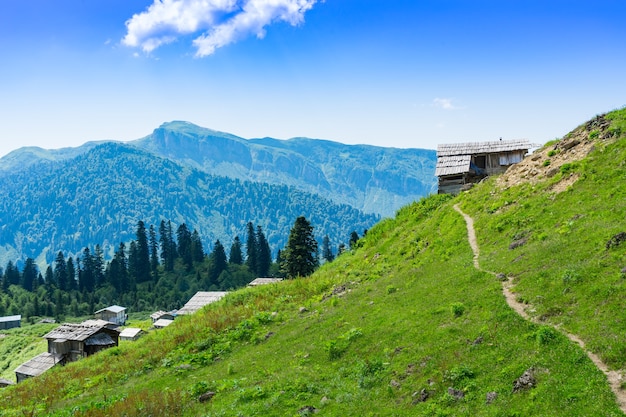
(373, 179)
(97, 196)
(413, 321)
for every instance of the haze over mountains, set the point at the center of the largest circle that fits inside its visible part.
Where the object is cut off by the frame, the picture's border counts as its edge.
(70, 198)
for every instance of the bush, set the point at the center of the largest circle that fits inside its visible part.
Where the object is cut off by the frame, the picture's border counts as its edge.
(457, 309)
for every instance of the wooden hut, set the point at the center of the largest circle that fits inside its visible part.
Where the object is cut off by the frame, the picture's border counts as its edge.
(161, 323)
(75, 341)
(131, 334)
(114, 314)
(169, 315)
(10, 322)
(460, 164)
(37, 366)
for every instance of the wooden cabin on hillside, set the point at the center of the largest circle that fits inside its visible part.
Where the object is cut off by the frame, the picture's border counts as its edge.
(113, 314)
(10, 322)
(70, 342)
(460, 164)
(75, 341)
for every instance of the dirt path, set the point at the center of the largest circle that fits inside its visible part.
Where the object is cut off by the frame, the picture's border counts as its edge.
(614, 377)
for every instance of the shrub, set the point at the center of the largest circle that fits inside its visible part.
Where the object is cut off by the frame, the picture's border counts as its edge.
(545, 335)
(546, 163)
(594, 134)
(457, 309)
(552, 152)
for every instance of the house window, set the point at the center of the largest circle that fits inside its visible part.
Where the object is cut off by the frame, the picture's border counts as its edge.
(481, 161)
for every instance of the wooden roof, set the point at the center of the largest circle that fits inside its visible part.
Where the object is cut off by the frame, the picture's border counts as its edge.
(452, 165)
(200, 299)
(474, 148)
(71, 331)
(38, 365)
(264, 281)
(113, 309)
(160, 323)
(130, 332)
(10, 318)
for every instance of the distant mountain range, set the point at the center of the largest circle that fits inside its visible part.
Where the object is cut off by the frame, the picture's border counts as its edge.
(67, 199)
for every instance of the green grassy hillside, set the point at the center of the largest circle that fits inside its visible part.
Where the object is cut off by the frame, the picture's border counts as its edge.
(404, 325)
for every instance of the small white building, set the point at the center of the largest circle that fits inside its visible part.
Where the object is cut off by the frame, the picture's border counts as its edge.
(161, 323)
(131, 334)
(9, 322)
(113, 314)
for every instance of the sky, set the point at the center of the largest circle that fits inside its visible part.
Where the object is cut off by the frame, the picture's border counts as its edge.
(398, 73)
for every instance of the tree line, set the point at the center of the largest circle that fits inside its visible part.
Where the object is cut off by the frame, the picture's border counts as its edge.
(160, 269)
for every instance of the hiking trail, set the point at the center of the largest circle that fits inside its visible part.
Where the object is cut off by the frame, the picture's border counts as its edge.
(614, 377)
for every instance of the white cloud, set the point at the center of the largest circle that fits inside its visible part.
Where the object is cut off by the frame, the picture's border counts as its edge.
(220, 22)
(445, 104)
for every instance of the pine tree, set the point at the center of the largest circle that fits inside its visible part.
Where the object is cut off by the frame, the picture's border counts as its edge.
(87, 280)
(327, 252)
(168, 247)
(98, 266)
(251, 249)
(29, 274)
(142, 262)
(184, 245)
(71, 275)
(12, 274)
(300, 256)
(264, 256)
(60, 272)
(154, 254)
(354, 237)
(219, 263)
(197, 250)
(236, 256)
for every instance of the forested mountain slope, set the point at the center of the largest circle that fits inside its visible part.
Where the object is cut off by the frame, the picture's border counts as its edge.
(404, 324)
(99, 196)
(373, 179)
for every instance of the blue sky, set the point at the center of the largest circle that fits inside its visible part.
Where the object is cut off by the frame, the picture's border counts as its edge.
(402, 73)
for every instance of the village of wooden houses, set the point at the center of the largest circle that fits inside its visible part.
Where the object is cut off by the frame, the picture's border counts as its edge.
(73, 341)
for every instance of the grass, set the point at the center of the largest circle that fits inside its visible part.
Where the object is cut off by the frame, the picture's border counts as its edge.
(403, 325)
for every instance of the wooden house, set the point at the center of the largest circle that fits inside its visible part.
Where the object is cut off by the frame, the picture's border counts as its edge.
(263, 281)
(113, 314)
(162, 323)
(461, 164)
(168, 315)
(199, 300)
(75, 341)
(37, 366)
(131, 334)
(10, 322)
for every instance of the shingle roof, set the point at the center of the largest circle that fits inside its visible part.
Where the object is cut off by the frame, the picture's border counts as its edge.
(200, 299)
(10, 318)
(451, 165)
(72, 331)
(130, 332)
(473, 148)
(100, 339)
(112, 309)
(162, 323)
(263, 281)
(38, 365)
